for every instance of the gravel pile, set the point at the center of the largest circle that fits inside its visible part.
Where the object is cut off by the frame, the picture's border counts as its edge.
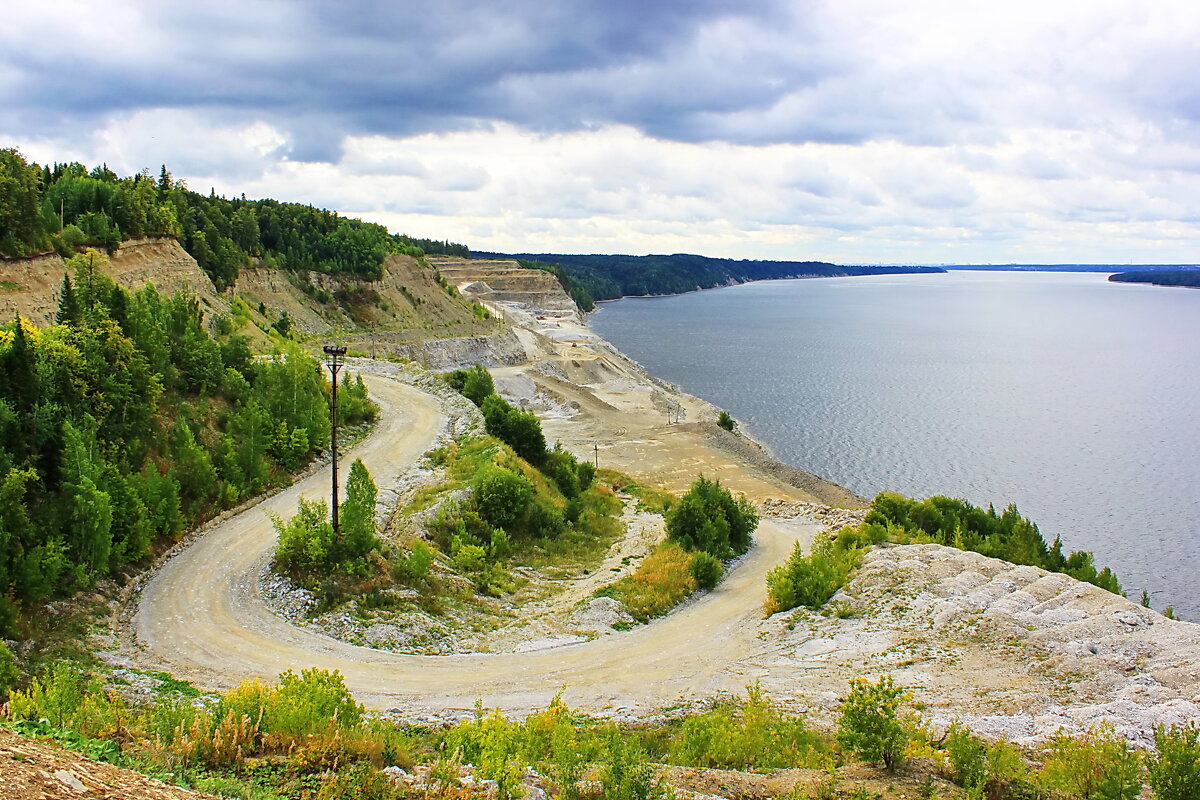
(830, 517)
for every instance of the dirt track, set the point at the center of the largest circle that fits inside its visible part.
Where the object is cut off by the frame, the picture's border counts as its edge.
(201, 616)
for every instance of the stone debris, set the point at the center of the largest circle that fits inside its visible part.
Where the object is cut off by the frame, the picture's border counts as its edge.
(465, 776)
(829, 516)
(601, 615)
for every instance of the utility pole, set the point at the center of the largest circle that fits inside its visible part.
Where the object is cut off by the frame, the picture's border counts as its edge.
(333, 353)
(596, 454)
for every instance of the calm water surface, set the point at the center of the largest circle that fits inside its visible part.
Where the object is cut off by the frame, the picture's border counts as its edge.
(1075, 398)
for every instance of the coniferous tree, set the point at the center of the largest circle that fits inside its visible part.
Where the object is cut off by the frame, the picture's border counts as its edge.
(356, 516)
(68, 303)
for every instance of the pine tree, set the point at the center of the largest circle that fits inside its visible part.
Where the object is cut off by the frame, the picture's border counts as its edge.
(68, 304)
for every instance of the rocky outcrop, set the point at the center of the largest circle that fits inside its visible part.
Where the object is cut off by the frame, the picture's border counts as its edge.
(501, 350)
(1013, 651)
(506, 282)
(31, 284)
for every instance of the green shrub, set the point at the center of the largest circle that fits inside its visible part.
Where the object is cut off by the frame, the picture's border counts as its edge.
(311, 702)
(707, 569)
(727, 422)
(1175, 769)
(708, 518)
(58, 697)
(811, 580)
(8, 670)
(545, 522)
(1099, 764)
(520, 430)
(626, 772)
(478, 384)
(870, 726)
(502, 496)
(306, 540)
(749, 734)
(968, 758)
(415, 568)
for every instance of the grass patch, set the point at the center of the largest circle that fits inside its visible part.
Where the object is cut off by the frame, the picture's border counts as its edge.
(662, 581)
(10, 286)
(651, 499)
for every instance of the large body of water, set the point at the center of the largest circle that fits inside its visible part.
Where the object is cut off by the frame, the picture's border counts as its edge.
(1075, 398)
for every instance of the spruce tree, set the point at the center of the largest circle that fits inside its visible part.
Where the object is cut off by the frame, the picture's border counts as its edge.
(68, 304)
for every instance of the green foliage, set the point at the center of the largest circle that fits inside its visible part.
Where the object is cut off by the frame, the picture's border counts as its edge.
(308, 703)
(125, 422)
(627, 773)
(706, 569)
(727, 422)
(748, 734)
(976, 766)
(1007, 535)
(1099, 765)
(475, 384)
(354, 406)
(502, 496)
(811, 580)
(520, 430)
(870, 726)
(356, 515)
(21, 228)
(8, 670)
(708, 518)
(1174, 771)
(415, 567)
(968, 757)
(97, 749)
(305, 543)
(309, 549)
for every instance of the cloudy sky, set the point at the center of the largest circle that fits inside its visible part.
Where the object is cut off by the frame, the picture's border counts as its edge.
(858, 131)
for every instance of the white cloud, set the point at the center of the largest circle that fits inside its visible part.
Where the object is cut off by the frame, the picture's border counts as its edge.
(861, 130)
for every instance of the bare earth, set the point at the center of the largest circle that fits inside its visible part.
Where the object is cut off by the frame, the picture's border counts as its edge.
(1014, 652)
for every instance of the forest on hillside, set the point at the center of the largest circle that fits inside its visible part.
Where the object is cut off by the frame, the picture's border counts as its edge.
(589, 278)
(127, 422)
(67, 207)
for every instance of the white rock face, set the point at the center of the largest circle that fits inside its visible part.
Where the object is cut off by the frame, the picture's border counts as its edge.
(966, 632)
(600, 615)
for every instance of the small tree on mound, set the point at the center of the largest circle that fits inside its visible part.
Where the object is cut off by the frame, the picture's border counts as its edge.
(870, 724)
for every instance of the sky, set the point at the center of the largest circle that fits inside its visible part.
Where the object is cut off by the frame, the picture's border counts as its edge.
(854, 131)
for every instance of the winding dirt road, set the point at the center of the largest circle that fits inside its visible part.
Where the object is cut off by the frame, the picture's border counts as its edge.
(201, 616)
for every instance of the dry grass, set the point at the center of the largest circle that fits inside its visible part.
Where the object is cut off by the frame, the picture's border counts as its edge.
(661, 582)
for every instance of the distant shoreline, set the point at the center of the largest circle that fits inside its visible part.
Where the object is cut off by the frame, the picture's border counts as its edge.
(1187, 278)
